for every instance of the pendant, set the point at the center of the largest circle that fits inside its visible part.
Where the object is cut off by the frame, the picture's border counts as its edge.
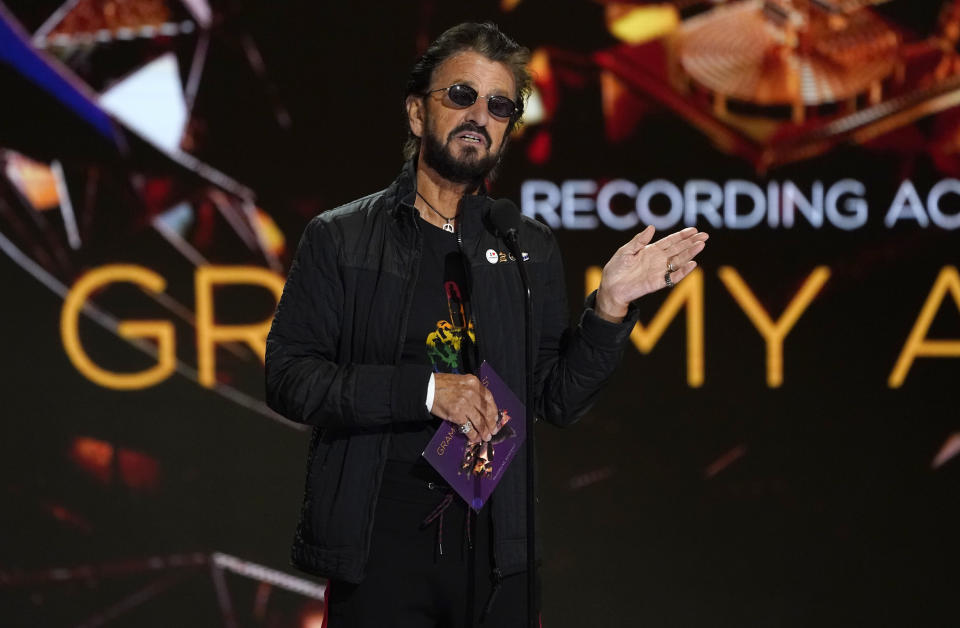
(448, 228)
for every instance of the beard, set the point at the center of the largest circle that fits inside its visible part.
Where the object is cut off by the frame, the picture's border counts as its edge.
(470, 168)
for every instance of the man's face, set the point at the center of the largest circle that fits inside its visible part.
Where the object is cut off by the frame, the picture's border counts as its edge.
(463, 144)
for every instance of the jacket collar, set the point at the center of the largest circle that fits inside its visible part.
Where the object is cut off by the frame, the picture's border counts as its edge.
(474, 211)
(400, 195)
(473, 208)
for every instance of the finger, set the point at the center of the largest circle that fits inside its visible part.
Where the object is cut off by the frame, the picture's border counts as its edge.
(464, 411)
(687, 254)
(679, 246)
(638, 241)
(700, 236)
(473, 436)
(683, 271)
(677, 238)
(480, 417)
(486, 410)
(666, 242)
(490, 406)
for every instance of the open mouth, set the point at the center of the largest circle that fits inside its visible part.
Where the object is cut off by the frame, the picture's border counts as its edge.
(472, 138)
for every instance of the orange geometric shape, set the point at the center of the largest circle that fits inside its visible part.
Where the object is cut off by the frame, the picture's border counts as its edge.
(34, 180)
(137, 469)
(270, 232)
(93, 456)
(776, 54)
(634, 24)
(92, 16)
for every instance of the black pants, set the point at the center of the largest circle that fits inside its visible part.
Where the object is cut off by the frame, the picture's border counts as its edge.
(409, 583)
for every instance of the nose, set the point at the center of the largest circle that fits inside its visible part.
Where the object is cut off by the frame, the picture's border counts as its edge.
(478, 112)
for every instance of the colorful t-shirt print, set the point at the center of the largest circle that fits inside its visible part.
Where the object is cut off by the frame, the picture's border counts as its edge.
(452, 335)
(440, 332)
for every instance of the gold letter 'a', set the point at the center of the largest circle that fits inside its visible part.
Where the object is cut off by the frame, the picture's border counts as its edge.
(688, 292)
(917, 343)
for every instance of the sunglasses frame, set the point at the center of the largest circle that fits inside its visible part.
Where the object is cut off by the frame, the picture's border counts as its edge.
(490, 99)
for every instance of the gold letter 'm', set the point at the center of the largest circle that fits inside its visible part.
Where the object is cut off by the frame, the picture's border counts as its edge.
(688, 292)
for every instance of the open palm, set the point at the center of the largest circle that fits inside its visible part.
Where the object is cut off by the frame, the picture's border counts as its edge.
(639, 267)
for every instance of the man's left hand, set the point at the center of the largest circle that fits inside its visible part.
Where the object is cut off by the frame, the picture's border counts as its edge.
(639, 268)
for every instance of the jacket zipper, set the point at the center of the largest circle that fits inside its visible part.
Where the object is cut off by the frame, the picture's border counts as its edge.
(411, 285)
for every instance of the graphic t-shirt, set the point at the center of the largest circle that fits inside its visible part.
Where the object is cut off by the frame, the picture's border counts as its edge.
(439, 329)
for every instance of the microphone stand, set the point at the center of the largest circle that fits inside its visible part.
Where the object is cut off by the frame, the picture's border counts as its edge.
(514, 245)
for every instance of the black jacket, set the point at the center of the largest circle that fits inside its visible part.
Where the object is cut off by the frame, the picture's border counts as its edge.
(336, 340)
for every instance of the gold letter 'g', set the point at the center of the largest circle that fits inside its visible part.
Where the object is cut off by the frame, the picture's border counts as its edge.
(161, 331)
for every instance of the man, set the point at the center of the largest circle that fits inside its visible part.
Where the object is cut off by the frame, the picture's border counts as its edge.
(391, 303)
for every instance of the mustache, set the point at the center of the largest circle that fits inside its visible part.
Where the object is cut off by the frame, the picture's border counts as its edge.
(473, 128)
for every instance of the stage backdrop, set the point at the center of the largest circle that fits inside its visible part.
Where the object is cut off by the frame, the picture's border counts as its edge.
(779, 446)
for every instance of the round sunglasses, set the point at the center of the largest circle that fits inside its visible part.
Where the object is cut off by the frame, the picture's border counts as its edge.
(464, 96)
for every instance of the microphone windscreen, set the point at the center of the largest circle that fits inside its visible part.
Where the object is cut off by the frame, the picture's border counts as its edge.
(505, 216)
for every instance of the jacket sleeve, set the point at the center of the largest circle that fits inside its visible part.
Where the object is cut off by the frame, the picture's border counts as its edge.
(574, 363)
(306, 381)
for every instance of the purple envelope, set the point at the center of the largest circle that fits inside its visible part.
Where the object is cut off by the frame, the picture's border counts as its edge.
(474, 471)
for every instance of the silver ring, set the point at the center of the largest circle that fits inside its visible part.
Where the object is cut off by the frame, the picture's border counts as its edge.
(671, 268)
(669, 281)
(466, 427)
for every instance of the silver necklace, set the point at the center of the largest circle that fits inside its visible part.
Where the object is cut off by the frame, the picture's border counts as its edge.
(447, 227)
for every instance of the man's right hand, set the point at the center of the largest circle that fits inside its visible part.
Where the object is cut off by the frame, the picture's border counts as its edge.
(461, 399)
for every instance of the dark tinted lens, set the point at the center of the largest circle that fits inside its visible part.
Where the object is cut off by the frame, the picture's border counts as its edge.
(462, 95)
(501, 106)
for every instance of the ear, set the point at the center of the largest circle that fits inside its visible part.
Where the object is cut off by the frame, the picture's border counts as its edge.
(415, 114)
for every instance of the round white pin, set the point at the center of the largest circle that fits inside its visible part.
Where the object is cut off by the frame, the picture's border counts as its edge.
(492, 256)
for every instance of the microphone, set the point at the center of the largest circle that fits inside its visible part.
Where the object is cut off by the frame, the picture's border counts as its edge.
(505, 217)
(506, 220)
